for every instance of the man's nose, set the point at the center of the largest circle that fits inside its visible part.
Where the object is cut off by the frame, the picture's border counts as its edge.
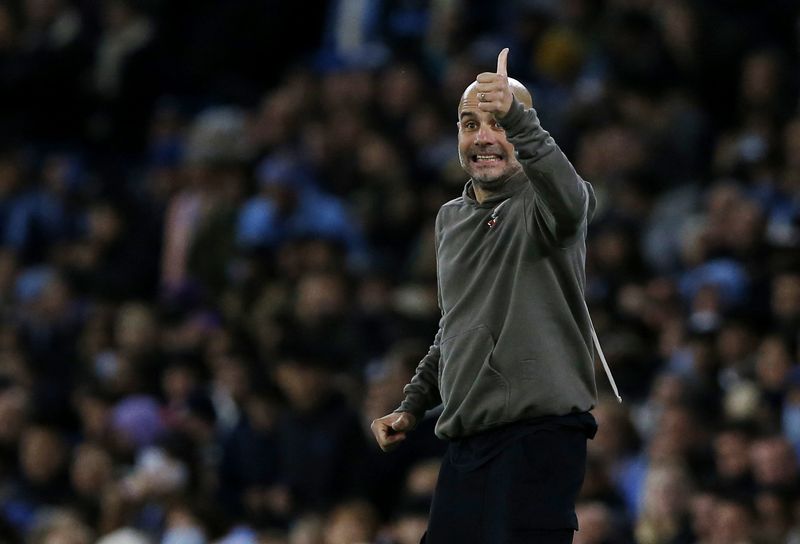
(485, 135)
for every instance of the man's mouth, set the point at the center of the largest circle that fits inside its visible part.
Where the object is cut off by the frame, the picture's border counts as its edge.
(486, 158)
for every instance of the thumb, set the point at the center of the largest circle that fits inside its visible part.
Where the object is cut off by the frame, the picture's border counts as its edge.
(402, 423)
(502, 62)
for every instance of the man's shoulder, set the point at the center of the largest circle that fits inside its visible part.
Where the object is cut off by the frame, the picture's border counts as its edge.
(449, 208)
(457, 202)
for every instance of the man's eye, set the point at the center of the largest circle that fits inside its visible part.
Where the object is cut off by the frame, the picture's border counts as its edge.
(470, 125)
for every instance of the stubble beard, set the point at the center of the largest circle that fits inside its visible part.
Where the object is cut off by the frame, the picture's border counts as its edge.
(488, 181)
(491, 183)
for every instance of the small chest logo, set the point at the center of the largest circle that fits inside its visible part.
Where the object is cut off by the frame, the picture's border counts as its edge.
(492, 222)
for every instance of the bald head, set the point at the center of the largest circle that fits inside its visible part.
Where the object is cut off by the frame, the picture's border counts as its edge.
(470, 95)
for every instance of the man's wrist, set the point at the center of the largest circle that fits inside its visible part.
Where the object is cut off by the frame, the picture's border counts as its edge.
(515, 113)
(414, 413)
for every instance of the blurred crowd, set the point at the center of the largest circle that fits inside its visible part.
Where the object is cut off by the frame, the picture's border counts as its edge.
(216, 260)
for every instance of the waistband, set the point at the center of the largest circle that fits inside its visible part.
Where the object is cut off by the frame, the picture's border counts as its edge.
(471, 452)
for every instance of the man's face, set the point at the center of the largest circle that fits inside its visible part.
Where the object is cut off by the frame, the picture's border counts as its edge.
(485, 153)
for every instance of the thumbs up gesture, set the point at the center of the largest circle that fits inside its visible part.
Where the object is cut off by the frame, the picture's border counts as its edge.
(494, 93)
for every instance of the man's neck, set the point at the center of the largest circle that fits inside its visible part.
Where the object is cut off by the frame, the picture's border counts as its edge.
(482, 193)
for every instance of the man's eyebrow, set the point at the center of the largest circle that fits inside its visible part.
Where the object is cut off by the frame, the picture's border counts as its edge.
(466, 114)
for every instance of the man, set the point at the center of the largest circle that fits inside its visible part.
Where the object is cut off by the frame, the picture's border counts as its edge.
(512, 362)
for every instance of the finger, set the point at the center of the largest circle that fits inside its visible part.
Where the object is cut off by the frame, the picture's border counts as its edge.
(486, 106)
(492, 87)
(395, 436)
(388, 445)
(486, 77)
(491, 107)
(401, 423)
(502, 62)
(380, 430)
(392, 441)
(492, 96)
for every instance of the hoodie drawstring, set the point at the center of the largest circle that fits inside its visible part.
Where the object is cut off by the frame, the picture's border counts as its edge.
(602, 356)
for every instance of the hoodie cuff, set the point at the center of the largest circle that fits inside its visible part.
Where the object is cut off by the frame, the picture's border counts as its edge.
(515, 116)
(404, 407)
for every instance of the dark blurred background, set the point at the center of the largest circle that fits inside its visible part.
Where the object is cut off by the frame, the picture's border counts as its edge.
(216, 260)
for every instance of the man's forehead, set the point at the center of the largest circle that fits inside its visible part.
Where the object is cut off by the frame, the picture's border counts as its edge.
(468, 108)
(469, 99)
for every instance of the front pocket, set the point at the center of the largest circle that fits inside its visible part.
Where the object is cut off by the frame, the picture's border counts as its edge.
(468, 378)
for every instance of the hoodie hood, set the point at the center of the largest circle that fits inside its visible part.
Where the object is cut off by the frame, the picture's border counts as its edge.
(514, 184)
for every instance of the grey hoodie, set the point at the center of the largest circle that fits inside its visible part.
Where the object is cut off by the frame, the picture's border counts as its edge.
(514, 339)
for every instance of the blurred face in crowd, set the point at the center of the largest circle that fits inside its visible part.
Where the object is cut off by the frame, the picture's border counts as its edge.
(42, 454)
(306, 530)
(666, 491)
(61, 527)
(91, 470)
(410, 528)
(702, 505)
(734, 343)
(105, 224)
(732, 523)
(94, 414)
(773, 461)
(773, 363)
(350, 523)
(680, 428)
(774, 515)
(135, 330)
(485, 153)
(304, 385)
(54, 300)
(786, 296)
(13, 407)
(422, 477)
(730, 454)
(232, 376)
(9, 175)
(178, 382)
(320, 296)
(595, 522)
(760, 77)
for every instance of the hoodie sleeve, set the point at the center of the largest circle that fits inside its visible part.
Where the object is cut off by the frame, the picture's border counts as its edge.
(563, 201)
(422, 393)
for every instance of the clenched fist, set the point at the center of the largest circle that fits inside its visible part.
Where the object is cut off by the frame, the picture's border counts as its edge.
(390, 430)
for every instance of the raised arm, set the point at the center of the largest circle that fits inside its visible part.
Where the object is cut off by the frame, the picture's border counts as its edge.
(562, 199)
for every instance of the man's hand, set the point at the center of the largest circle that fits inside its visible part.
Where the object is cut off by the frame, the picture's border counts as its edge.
(494, 94)
(390, 430)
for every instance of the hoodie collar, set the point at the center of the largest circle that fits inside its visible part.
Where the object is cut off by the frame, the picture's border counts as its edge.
(511, 186)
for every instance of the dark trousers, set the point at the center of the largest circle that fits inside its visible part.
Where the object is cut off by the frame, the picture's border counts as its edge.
(513, 485)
